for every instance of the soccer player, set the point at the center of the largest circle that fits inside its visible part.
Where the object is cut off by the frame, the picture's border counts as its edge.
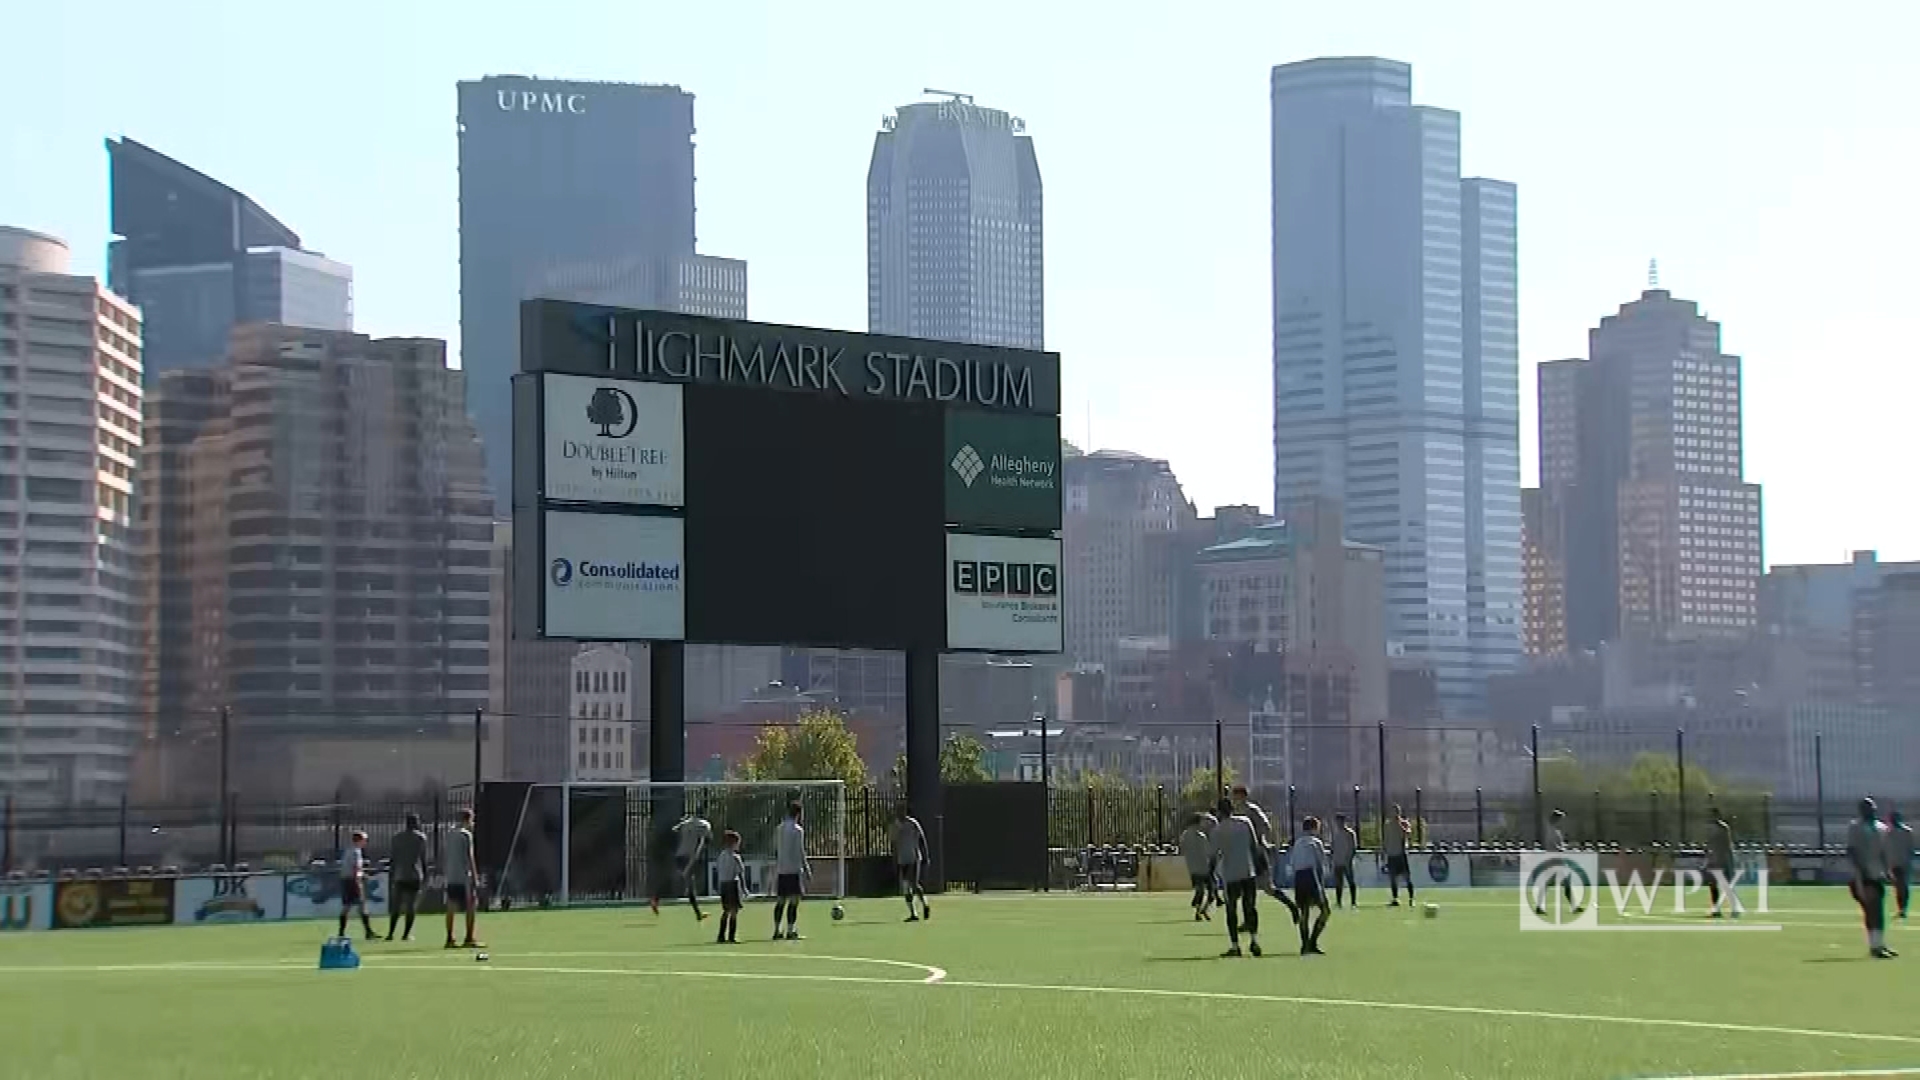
(1393, 844)
(1346, 843)
(1269, 843)
(1306, 859)
(1720, 867)
(790, 872)
(1196, 847)
(690, 843)
(1867, 851)
(733, 887)
(353, 884)
(408, 854)
(1239, 854)
(909, 855)
(1557, 842)
(1900, 850)
(463, 879)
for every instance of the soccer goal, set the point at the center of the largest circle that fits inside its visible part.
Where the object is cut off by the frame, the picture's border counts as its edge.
(609, 843)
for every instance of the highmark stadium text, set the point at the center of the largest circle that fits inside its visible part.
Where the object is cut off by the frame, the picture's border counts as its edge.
(632, 576)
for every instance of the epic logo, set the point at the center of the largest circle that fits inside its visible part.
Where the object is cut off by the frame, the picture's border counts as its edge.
(1005, 578)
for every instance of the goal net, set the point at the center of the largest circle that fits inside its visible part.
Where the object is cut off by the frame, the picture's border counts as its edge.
(606, 843)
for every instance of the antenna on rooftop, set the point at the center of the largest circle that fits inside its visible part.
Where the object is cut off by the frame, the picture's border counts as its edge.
(965, 99)
(1653, 273)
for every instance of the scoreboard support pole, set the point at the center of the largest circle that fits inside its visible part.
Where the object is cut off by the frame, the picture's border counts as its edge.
(923, 753)
(667, 708)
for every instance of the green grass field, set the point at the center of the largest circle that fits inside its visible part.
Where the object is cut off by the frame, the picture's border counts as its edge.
(998, 986)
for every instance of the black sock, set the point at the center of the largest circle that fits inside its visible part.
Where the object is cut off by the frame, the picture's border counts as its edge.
(343, 923)
(409, 930)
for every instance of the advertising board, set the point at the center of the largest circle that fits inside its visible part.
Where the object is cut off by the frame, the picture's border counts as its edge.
(316, 894)
(222, 898)
(25, 907)
(1003, 593)
(1003, 469)
(112, 902)
(614, 577)
(613, 441)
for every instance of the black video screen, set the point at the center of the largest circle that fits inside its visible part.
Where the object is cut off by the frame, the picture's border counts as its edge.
(813, 521)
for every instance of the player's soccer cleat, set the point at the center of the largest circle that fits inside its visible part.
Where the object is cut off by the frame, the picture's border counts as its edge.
(1230, 953)
(911, 917)
(700, 916)
(1197, 917)
(1315, 950)
(926, 912)
(1254, 948)
(452, 944)
(1882, 953)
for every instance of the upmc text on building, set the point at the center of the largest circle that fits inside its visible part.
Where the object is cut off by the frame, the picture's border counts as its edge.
(727, 482)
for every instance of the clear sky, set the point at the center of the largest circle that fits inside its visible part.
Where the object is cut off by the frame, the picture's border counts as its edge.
(1767, 154)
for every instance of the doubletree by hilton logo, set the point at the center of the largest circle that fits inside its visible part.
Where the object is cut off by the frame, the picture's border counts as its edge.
(968, 464)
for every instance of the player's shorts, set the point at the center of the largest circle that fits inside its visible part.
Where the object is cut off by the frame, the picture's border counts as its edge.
(909, 875)
(1397, 865)
(1201, 881)
(459, 897)
(350, 892)
(730, 896)
(1306, 888)
(405, 894)
(787, 886)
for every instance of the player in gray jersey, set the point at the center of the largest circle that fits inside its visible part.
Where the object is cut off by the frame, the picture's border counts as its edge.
(1867, 852)
(1196, 850)
(463, 879)
(1346, 846)
(1900, 852)
(353, 883)
(1306, 863)
(732, 872)
(1556, 841)
(910, 858)
(1239, 855)
(690, 843)
(1269, 843)
(1394, 835)
(790, 872)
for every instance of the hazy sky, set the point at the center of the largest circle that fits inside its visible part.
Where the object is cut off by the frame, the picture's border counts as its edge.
(1770, 161)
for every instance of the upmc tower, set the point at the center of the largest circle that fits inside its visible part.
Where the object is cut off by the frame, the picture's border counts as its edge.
(579, 191)
(682, 479)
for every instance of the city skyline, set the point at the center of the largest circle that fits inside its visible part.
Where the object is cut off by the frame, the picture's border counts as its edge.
(1722, 221)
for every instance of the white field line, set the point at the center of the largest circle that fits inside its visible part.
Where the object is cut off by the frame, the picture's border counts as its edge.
(1058, 988)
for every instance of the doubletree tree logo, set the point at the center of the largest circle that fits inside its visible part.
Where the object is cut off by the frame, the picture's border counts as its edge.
(968, 464)
(612, 408)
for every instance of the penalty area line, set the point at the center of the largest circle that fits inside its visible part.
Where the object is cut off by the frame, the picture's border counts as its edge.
(1823, 1074)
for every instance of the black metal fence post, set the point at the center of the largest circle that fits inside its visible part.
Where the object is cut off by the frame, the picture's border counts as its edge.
(6, 835)
(1479, 816)
(1599, 825)
(1539, 823)
(233, 829)
(226, 776)
(336, 823)
(477, 713)
(1766, 817)
(1819, 792)
(1381, 733)
(1293, 808)
(1359, 819)
(1419, 819)
(1089, 815)
(1653, 799)
(1159, 813)
(1680, 759)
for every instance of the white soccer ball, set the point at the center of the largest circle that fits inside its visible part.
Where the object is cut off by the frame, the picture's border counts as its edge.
(1433, 911)
(839, 913)
(480, 958)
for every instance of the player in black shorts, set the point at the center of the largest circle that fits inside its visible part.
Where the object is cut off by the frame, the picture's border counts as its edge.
(733, 886)
(1307, 860)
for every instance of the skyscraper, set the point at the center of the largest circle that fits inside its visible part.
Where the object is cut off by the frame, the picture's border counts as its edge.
(955, 246)
(1641, 479)
(575, 191)
(70, 433)
(1396, 355)
(1124, 515)
(200, 258)
(322, 541)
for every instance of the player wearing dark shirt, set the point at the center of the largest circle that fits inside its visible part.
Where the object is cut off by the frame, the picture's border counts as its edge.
(408, 854)
(1867, 852)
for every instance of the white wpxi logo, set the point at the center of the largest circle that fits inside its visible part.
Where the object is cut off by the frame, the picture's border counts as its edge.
(1565, 890)
(968, 464)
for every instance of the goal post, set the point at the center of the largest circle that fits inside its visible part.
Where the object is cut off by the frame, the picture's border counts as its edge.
(596, 842)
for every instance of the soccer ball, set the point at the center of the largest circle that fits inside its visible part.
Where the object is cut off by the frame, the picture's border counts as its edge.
(1433, 911)
(839, 913)
(480, 958)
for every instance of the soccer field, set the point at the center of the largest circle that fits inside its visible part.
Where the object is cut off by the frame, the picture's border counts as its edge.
(998, 986)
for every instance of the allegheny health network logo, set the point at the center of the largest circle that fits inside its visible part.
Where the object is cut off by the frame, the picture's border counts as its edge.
(967, 463)
(561, 572)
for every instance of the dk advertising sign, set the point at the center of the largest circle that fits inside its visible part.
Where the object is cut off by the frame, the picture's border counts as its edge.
(613, 441)
(1003, 469)
(1003, 593)
(614, 577)
(230, 898)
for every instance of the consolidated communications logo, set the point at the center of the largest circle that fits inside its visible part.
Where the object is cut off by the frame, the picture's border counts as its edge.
(627, 576)
(562, 572)
(968, 464)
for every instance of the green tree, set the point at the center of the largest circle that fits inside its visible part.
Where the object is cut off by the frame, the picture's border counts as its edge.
(816, 747)
(1202, 789)
(963, 760)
